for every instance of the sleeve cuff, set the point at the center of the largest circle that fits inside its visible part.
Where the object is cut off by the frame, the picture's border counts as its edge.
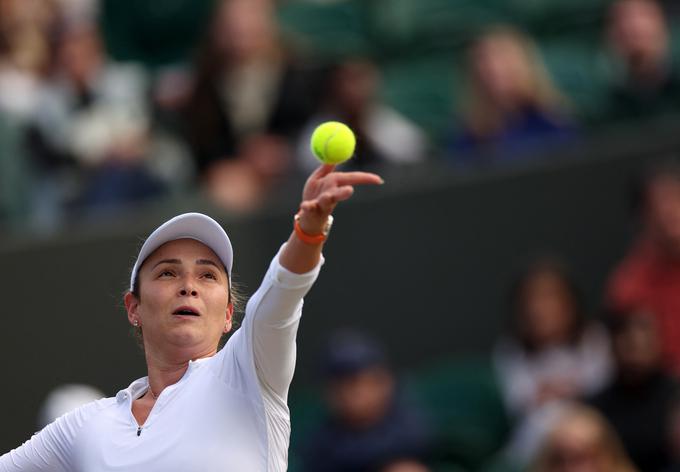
(282, 277)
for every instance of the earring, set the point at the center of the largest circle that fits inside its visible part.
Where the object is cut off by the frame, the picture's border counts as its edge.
(135, 323)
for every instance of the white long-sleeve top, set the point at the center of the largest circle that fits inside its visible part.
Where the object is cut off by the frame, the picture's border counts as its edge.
(227, 413)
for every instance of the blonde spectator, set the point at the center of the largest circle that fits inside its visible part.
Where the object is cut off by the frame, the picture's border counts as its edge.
(512, 108)
(582, 441)
(25, 53)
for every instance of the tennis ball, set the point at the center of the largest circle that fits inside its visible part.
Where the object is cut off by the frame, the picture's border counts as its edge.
(333, 142)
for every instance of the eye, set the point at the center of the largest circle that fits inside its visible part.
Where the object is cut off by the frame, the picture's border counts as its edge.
(210, 275)
(166, 273)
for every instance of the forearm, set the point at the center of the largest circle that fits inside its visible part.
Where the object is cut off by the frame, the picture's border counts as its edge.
(300, 257)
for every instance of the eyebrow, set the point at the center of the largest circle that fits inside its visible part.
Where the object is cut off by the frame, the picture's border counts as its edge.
(198, 261)
(210, 262)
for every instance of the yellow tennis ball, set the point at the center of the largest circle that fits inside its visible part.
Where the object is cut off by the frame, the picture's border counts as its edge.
(333, 142)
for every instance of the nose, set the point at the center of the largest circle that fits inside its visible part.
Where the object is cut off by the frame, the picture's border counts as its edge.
(187, 290)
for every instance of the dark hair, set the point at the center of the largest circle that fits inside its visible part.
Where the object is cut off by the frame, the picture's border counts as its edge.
(556, 267)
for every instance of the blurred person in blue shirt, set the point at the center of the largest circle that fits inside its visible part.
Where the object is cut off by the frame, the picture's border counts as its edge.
(372, 427)
(512, 108)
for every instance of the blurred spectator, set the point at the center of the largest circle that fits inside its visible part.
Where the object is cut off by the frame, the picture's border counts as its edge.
(648, 279)
(551, 354)
(66, 398)
(26, 27)
(582, 441)
(639, 401)
(93, 115)
(643, 80)
(383, 135)
(405, 466)
(512, 108)
(371, 426)
(249, 99)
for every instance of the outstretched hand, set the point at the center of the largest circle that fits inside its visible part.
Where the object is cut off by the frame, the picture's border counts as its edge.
(324, 189)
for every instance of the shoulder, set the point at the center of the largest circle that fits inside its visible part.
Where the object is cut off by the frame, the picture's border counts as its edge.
(89, 410)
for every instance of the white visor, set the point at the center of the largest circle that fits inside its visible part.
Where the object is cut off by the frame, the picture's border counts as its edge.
(196, 226)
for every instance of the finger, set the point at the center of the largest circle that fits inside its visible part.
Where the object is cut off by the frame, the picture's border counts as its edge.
(357, 178)
(343, 193)
(328, 200)
(322, 171)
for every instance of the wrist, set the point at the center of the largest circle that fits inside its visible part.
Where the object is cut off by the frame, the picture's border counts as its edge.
(312, 232)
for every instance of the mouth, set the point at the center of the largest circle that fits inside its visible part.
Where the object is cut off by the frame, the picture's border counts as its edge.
(186, 311)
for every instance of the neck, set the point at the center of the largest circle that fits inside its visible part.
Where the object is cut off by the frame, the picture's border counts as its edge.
(164, 370)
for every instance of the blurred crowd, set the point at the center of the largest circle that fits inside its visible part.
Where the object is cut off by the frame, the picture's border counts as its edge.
(582, 392)
(84, 134)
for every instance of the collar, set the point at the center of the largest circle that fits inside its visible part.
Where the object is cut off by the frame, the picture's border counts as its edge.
(137, 388)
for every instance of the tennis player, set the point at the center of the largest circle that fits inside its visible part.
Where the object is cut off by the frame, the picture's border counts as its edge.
(200, 409)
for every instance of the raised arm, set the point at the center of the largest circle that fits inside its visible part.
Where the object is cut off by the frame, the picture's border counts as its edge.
(323, 190)
(274, 311)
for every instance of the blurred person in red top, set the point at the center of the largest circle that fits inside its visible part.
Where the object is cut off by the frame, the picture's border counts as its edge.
(648, 279)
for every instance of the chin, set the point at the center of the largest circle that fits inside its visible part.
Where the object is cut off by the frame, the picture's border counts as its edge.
(185, 336)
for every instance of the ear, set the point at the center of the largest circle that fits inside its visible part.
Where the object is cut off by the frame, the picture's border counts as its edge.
(132, 307)
(230, 317)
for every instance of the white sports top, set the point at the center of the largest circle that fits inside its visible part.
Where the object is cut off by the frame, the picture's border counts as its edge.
(227, 413)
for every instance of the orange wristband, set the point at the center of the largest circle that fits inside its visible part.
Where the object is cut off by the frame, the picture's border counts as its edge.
(307, 238)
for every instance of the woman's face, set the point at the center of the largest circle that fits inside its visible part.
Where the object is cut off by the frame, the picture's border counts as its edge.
(502, 69)
(184, 298)
(638, 31)
(547, 310)
(637, 347)
(243, 28)
(576, 447)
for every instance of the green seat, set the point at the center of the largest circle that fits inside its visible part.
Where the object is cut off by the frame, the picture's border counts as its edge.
(153, 32)
(425, 26)
(326, 30)
(307, 411)
(14, 174)
(466, 409)
(576, 70)
(423, 89)
(551, 17)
